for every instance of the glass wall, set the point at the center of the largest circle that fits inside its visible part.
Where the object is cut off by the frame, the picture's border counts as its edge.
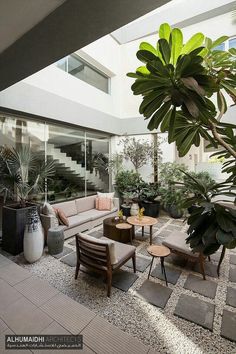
(80, 157)
(79, 68)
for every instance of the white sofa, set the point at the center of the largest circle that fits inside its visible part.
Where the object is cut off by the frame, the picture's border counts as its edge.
(81, 213)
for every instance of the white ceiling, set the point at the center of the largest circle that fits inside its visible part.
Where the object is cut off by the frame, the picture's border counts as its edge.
(179, 13)
(19, 16)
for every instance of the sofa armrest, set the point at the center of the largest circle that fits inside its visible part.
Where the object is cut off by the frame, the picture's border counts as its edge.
(47, 222)
(116, 202)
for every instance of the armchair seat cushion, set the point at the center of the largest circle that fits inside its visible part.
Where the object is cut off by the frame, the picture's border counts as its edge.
(123, 252)
(177, 241)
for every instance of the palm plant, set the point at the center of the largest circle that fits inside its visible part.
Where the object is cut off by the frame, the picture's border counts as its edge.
(22, 173)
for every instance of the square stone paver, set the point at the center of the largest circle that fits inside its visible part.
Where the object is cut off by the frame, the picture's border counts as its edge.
(8, 295)
(164, 233)
(68, 313)
(228, 327)
(4, 261)
(215, 257)
(70, 259)
(201, 286)
(194, 310)
(141, 263)
(3, 326)
(233, 259)
(231, 297)
(66, 250)
(25, 318)
(96, 234)
(176, 260)
(232, 274)
(11, 351)
(36, 290)
(13, 274)
(155, 294)
(123, 280)
(172, 274)
(174, 227)
(104, 338)
(210, 269)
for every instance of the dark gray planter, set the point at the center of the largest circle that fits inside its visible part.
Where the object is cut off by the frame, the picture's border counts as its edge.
(14, 220)
(55, 240)
(150, 208)
(175, 212)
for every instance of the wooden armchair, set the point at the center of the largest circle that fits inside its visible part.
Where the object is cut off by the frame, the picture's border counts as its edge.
(102, 255)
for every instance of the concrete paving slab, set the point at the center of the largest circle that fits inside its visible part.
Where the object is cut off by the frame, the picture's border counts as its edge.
(123, 280)
(172, 274)
(141, 263)
(204, 287)
(228, 327)
(8, 295)
(13, 274)
(195, 310)
(155, 294)
(231, 297)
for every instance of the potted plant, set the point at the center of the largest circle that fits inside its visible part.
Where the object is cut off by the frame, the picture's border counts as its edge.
(178, 82)
(149, 200)
(172, 200)
(22, 173)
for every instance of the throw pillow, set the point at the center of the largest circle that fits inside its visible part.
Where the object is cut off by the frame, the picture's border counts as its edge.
(110, 243)
(48, 209)
(103, 203)
(107, 195)
(62, 217)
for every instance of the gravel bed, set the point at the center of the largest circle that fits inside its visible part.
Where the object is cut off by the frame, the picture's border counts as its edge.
(158, 328)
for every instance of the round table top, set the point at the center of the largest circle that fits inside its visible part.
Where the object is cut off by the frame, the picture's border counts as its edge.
(144, 221)
(158, 251)
(123, 226)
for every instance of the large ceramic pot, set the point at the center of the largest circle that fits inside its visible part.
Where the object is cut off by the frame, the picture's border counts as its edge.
(125, 209)
(33, 237)
(14, 219)
(175, 212)
(151, 208)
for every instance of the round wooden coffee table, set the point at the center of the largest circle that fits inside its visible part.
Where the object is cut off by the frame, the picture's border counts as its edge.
(143, 221)
(111, 231)
(158, 251)
(125, 226)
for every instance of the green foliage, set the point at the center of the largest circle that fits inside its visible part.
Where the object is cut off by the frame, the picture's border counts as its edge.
(149, 192)
(127, 181)
(171, 172)
(22, 173)
(177, 83)
(203, 178)
(115, 163)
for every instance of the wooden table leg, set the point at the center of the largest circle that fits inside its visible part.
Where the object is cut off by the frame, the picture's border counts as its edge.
(151, 235)
(150, 267)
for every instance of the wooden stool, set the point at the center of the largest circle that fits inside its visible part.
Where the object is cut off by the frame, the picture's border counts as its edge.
(158, 251)
(125, 226)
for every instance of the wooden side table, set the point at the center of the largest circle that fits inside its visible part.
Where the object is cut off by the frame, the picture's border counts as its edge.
(125, 226)
(158, 251)
(143, 221)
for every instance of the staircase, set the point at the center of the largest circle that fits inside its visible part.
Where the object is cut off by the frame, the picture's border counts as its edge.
(73, 170)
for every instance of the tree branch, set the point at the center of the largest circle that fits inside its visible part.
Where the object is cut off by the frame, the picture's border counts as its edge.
(221, 141)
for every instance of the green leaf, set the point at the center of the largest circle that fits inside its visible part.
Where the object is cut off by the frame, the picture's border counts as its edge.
(172, 126)
(142, 70)
(229, 88)
(145, 56)
(148, 47)
(218, 41)
(165, 50)
(195, 41)
(142, 86)
(186, 144)
(223, 237)
(192, 84)
(157, 68)
(148, 99)
(222, 105)
(208, 43)
(177, 44)
(159, 115)
(153, 106)
(232, 51)
(164, 31)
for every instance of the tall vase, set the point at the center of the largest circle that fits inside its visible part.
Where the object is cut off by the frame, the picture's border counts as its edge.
(33, 237)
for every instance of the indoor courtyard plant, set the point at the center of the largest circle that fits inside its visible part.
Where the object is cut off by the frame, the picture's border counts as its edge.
(179, 83)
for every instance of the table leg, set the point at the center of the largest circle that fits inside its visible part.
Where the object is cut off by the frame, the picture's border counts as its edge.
(150, 267)
(133, 231)
(163, 269)
(142, 231)
(151, 235)
(131, 235)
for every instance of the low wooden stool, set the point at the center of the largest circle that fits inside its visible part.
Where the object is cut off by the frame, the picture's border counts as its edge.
(158, 251)
(125, 226)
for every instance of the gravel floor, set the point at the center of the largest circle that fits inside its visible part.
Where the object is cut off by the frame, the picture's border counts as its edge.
(161, 329)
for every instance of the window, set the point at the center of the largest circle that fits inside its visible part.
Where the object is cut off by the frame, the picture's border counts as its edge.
(230, 43)
(77, 67)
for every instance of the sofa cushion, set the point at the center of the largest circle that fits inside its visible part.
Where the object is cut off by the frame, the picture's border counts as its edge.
(104, 241)
(63, 220)
(86, 203)
(69, 208)
(103, 203)
(78, 219)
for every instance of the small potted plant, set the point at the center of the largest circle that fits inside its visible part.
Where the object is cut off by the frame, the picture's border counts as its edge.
(172, 200)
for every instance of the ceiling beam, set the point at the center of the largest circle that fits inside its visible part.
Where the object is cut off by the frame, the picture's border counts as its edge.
(73, 25)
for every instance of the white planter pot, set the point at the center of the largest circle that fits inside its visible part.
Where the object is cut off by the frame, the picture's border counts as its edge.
(134, 209)
(33, 239)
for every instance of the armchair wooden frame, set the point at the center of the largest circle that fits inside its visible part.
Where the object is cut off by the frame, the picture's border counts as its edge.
(96, 256)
